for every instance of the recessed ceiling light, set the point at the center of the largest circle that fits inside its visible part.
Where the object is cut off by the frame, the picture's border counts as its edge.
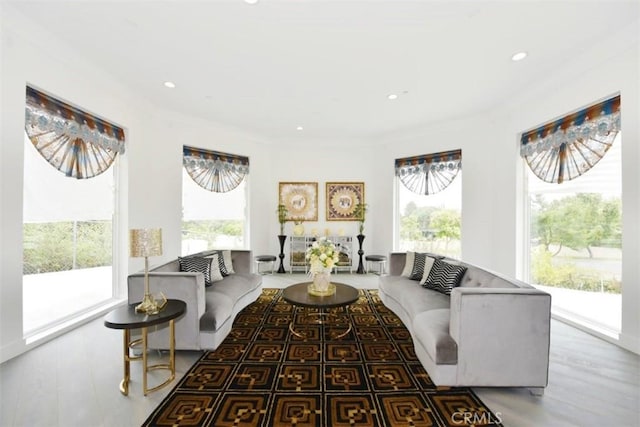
(392, 96)
(519, 56)
(299, 128)
(251, 1)
(169, 84)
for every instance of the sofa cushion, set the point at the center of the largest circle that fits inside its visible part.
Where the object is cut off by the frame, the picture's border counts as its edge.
(412, 297)
(431, 330)
(228, 263)
(444, 276)
(419, 264)
(216, 274)
(219, 308)
(237, 285)
(428, 265)
(197, 265)
(408, 264)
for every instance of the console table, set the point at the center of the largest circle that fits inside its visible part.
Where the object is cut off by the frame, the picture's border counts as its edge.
(298, 247)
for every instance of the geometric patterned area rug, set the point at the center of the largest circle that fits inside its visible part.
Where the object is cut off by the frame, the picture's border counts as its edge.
(263, 375)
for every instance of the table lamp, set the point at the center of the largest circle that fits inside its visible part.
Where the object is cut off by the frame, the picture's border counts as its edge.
(146, 243)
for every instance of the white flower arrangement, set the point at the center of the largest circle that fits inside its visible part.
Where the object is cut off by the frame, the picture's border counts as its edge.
(322, 254)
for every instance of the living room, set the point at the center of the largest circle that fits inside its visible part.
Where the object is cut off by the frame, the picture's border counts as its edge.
(150, 173)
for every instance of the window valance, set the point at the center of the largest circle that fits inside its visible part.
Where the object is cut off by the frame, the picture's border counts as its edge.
(73, 141)
(429, 173)
(566, 148)
(215, 171)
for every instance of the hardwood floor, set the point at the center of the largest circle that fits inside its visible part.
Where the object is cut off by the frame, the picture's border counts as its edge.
(73, 380)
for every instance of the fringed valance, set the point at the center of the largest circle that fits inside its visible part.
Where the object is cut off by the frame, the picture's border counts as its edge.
(429, 173)
(215, 171)
(566, 148)
(73, 141)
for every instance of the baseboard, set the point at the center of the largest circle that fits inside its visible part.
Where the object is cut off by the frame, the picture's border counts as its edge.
(629, 342)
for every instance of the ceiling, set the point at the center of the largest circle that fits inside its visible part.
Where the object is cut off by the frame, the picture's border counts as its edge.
(329, 65)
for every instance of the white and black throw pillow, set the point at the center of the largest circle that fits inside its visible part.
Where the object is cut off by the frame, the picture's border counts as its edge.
(197, 265)
(216, 272)
(418, 266)
(221, 266)
(408, 264)
(443, 276)
(428, 265)
(228, 264)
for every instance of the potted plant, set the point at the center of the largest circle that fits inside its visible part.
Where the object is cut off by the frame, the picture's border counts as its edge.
(282, 217)
(359, 212)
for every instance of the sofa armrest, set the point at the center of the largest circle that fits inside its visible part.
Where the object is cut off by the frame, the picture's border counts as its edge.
(396, 263)
(185, 286)
(502, 335)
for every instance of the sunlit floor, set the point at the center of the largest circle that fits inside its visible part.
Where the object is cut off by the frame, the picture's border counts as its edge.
(600, 310)
(51, 297)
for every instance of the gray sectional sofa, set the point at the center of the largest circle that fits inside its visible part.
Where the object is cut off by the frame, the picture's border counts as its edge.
(210, 310)
(491, 331)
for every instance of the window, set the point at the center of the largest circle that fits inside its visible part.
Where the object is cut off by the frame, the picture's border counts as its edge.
(428, 207)
(574, 225)
(214, 201)
(67, 217)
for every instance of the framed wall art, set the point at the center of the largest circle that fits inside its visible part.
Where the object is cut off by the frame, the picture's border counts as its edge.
(342, 199)
(300, 199)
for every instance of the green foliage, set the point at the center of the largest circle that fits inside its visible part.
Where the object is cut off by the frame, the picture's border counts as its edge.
(209, 230)
(282, 216)
(359, 212)
(578, 222)
(410, 229)
(62, 246)
(426, 227)
(446, 224)
(567, 275)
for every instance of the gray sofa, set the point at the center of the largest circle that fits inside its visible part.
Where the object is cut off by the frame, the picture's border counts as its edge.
(491, 331)
(210, 310)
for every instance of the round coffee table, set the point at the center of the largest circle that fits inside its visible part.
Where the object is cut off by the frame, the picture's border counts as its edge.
(298, 296)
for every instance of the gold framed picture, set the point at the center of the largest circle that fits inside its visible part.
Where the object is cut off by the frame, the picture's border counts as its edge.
(342, 200)
(300, 199)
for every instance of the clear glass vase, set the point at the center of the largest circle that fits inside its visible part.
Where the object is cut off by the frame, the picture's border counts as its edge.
(321, 284)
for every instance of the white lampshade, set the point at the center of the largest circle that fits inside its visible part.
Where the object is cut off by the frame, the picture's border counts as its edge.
(145, 242)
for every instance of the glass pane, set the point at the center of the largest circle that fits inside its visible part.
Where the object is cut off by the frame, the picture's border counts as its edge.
(212, 220)
(430, 223)
(67, 238)
(575, 250)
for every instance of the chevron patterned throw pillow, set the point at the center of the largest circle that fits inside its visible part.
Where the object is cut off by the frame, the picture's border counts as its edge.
(443, 276)
(197, 265)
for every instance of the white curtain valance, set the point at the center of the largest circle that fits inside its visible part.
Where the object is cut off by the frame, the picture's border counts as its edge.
(429, 173)
(566, 148)
(73, 141)
(215, 171)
